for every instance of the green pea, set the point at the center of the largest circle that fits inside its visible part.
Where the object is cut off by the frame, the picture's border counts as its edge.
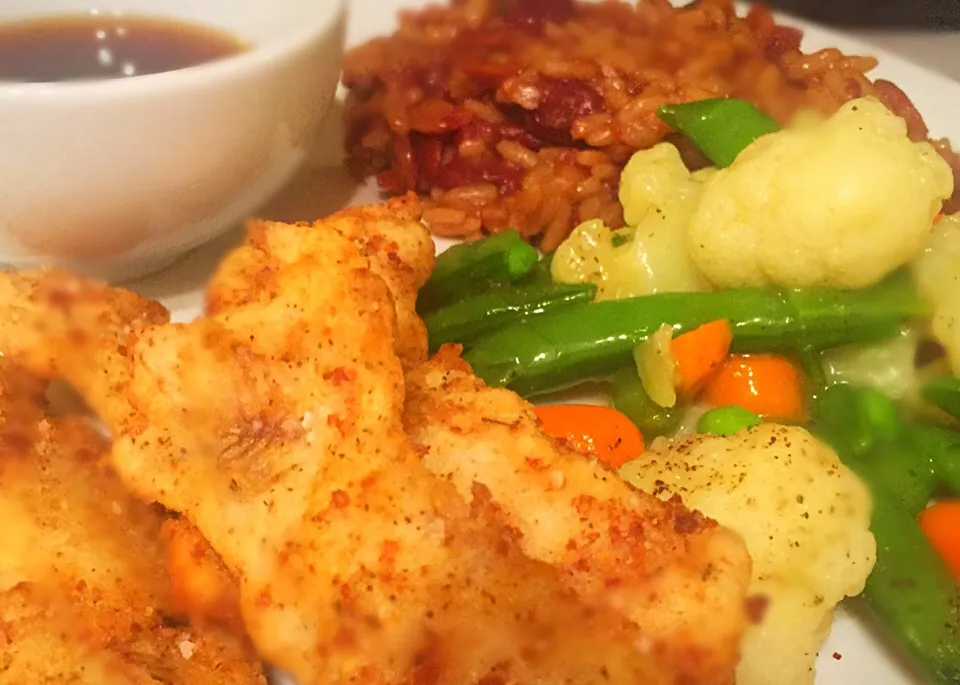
(727, 421)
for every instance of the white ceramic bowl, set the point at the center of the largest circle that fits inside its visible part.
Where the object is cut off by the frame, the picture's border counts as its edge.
(117, 178)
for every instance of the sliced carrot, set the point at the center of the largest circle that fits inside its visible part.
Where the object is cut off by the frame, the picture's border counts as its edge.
(936, 219)
(698, 353)
(941, 524)
(769, 385)
(601, 431)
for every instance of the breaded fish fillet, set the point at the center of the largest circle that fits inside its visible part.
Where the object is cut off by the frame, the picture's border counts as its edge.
(399, 251)
(389, 236)
(30, 319)
(83, 593)
(677, 575)
(202, 588)
(275, 427)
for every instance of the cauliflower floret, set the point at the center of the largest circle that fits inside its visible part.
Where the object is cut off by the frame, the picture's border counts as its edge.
(839, 202)
(937, 272)
(889, 366)
(658, 195)
(656, 178)
(804, 517)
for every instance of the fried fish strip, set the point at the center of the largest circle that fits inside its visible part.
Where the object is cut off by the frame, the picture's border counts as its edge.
(399, 251)
(32, 306)
(274, 426)
(678, 576)
(390, 236)
(202, 588)
(83, 594)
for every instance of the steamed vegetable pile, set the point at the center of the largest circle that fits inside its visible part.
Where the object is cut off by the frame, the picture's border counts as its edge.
(803, 289)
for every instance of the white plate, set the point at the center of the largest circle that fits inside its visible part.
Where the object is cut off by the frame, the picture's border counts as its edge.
(854, 653)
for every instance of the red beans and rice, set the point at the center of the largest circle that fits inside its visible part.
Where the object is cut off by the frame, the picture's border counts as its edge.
(522, 114)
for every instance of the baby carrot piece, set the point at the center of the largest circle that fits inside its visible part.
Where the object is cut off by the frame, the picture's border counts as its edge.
(601, 431)
(769, 385)
(699, 353)
(941, 525)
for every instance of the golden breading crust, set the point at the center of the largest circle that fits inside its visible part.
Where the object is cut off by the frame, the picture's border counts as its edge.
(202, 588)
(32, 304)
(399, 250)
(390, 236)
(83, 593)
(677, 575)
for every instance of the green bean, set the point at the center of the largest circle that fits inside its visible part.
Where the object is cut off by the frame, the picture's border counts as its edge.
(941, 447)
(811, 361)
(591, 341)
(910, 590)
(914, 596)
(720, 127)
(466, 320)
(631, 399)
(471, 268)
(539, 274)
(945, 394)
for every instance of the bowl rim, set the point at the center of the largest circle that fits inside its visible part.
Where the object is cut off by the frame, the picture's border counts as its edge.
(331, 16)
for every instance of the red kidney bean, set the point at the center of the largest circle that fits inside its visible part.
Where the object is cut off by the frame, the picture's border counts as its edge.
(563, 102)
(430, 78)
(510, 131)
(461, 172)
(438, 165)
(782, 39)
(778, 39)
(491, 134)
(403, 164)
(427, 155)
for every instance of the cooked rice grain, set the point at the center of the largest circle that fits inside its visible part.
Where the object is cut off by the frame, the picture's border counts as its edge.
(522, 114)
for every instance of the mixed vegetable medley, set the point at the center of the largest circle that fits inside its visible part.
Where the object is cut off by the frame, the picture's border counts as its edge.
(806, 280)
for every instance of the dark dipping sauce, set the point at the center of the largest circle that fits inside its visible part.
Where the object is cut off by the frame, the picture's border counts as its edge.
(106, 46)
